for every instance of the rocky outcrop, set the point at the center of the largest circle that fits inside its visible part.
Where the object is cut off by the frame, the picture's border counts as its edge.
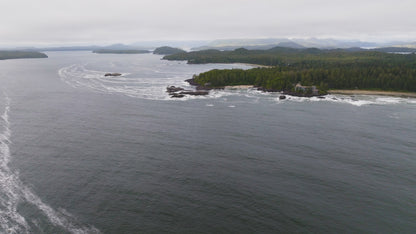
(177, 95)
(178, 92)
(173, 89)
(297, 94)
(195, 93)
(259, 88)
(206, 86)
(112, 74)
(291, 93)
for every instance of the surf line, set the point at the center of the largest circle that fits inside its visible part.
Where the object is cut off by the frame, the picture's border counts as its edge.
(13, 191)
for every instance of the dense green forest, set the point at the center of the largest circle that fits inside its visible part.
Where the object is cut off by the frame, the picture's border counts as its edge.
(109, 51)
(327, 69)
(5, 54)
(165, 50)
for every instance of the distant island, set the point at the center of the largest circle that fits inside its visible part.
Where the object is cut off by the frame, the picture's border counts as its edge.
(110, 51)
(307, 72)
(6, 54)
(166, 50)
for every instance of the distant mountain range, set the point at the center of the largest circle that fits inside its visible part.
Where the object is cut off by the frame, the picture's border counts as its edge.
(145, 45)
(250, 44)
(91, 48)
(299, 43)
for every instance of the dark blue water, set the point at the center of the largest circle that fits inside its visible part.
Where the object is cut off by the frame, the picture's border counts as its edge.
(81, 153)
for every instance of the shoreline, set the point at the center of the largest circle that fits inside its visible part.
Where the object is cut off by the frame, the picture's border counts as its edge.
(255, 65)
(372, 92)
(252, 65)
(238, 86)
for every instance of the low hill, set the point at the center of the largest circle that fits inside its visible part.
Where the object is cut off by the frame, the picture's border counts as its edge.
(21, 54)
(290, 44)
(166, 50)
(108, 51)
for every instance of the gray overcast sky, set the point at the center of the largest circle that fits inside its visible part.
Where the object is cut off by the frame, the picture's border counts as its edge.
(29, 22)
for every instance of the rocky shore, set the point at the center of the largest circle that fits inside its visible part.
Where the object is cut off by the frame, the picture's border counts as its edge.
(208, 86)
(201, 90)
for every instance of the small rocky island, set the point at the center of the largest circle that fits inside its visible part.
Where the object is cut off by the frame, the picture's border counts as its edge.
(113, 74)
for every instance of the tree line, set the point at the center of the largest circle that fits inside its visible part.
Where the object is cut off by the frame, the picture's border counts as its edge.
(327, 69)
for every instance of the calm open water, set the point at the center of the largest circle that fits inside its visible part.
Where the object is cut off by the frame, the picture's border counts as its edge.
(84, 153)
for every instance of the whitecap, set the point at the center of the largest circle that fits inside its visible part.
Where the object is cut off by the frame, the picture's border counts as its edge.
(148, 87)
(388, 100)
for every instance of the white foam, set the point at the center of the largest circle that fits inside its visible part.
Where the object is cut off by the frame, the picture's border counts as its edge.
(78, 76)
(139, 87)
(13, 192)
(153, 87)
(394, 116)
(358, 100)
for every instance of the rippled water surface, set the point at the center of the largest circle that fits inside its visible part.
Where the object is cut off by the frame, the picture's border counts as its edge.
(85, 153)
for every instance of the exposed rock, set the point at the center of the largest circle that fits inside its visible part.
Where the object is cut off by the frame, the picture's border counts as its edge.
(178, 92)
(282, 97)
(177, 95)
(297, 94)
(192, 82)
(207, 86)
(201, 87)
(112, 74)
(173, 89)
(195, 93)
(267, 90)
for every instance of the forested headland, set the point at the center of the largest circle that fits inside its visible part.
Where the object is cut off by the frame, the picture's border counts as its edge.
(167, 50)
(9, 54)
(326, 69)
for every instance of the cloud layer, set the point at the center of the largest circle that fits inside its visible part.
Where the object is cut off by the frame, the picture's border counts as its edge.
(26, 22)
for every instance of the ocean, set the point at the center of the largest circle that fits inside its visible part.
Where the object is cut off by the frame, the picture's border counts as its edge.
(85, 153)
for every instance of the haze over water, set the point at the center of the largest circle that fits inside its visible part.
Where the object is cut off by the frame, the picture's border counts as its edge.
(82, 153)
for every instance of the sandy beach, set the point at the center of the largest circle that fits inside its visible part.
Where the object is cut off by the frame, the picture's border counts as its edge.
(372, 92)
(238, 87)
(255, 65)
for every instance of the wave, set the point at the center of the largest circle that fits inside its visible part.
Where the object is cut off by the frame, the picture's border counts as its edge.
(154, 87)
(78, 76)
(359, 100)
(13, 192)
